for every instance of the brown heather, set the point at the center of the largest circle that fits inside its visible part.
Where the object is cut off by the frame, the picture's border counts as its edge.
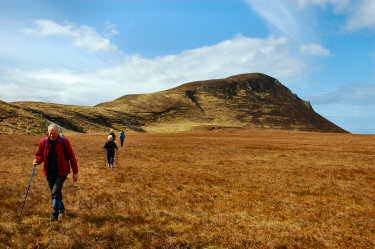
(243, 189)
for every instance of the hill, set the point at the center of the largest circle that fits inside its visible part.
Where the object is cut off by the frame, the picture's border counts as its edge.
(241, 101)
(248, 100)
(81, 119)
(15, 119)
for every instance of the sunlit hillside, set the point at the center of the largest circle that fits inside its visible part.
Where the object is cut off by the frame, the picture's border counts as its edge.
(247, 100)
(80, 119)
(211, 189)
(242, 101)
(17, 120)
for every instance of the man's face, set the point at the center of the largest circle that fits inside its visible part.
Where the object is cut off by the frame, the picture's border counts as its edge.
(53, 134)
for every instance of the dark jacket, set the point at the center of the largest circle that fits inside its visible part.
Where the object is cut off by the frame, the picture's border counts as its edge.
(113, 135)
(121, 136)
(65, 156)
(110, 146)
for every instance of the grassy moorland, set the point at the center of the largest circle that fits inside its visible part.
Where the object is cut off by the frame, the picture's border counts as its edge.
(248, 189)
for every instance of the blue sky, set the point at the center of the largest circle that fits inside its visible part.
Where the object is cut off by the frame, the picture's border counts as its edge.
(85, 52)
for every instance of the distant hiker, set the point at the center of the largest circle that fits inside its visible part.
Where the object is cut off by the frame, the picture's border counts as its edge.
(58, 157)
(122, 138)
(113, 135)
(110, 146)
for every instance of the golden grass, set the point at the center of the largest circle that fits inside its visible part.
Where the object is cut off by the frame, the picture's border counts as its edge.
(247, 189)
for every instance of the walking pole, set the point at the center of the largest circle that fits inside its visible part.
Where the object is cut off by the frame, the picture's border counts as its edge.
(105, 158)
(117, 158)
(24, 201)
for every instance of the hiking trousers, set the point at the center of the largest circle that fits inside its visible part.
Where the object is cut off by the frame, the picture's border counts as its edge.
(56, 183)
(110, 156)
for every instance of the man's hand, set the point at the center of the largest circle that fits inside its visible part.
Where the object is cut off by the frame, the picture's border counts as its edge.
(36, 162)
(75, 177)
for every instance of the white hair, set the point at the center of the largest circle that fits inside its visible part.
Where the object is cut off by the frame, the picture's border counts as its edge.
(110, 137)
(54, 126)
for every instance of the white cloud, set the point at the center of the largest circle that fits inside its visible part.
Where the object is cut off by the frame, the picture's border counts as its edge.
(83, 36)
(49, 27)
(358, 119)
(362, 16)
(284, 17)
(354, 94)
(291, 21)
(314, 49)
(140, 75)
(359, 14)
(278, 14)
(53, 77)
(110, 30)
(339, 5)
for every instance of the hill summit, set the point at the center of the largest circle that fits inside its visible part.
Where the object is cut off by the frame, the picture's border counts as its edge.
(241, 101)
(247, 100)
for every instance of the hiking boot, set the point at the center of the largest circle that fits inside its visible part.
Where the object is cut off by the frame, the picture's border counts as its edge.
(54, 215)
(62, 211)
(62, 214)
(60, 206)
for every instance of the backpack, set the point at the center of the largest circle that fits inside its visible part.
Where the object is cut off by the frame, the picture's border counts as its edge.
(62, 141)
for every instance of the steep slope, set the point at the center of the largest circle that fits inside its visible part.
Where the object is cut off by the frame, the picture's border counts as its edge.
(15, 119)
(81, 119)
(247, 100)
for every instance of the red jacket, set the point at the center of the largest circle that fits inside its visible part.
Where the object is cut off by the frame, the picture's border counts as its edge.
(65, 156)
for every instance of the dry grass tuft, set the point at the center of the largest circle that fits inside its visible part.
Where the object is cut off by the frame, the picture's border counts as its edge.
(248, 189)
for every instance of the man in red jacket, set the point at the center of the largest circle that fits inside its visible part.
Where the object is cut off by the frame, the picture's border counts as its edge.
(58, 157)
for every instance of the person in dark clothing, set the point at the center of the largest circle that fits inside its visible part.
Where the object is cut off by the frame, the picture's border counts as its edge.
(58, 157)
(110, 146)
(122, 138)
(113, 135)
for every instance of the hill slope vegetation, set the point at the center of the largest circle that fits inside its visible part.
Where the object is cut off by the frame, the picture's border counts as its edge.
(242, 101)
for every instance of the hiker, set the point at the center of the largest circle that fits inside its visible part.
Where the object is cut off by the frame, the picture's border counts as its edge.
(112, 134)
(122, 138)
(58, 157)
(110, 146)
